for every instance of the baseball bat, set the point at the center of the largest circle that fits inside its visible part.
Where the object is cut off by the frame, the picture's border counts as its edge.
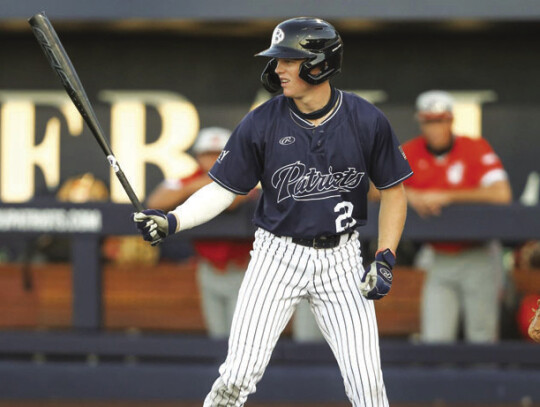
(61, 64)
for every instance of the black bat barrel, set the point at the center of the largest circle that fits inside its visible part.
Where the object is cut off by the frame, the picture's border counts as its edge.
(61, 64)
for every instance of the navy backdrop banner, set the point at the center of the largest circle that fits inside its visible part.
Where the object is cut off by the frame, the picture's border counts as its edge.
(219, 75)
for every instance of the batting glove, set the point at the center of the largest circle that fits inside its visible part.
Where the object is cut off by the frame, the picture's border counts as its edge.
(377, 279)
(155, 225)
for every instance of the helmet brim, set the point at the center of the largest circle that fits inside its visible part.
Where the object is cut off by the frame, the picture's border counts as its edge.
(275, 51)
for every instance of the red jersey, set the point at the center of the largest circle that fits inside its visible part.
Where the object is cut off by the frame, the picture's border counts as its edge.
(219, 252)
(471, 163)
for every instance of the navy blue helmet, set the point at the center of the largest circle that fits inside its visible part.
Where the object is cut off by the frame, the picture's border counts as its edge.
(307, 38)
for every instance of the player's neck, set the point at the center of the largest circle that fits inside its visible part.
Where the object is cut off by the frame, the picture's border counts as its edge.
(317, 105)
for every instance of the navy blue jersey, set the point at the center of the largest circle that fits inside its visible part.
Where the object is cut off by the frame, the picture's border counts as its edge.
(314, 179)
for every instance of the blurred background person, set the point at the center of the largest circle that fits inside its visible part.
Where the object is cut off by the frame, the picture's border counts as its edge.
(527, 259)
(221, 262)
(463, 278)
(527, 275)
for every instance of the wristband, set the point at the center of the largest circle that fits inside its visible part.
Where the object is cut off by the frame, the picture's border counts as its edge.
(387, 255)
(382, 250)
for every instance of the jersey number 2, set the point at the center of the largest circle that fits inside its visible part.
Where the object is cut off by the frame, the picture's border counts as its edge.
(345, 219)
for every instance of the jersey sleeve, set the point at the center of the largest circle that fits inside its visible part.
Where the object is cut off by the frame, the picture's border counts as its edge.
(388, 164)
(411, 151)
(239, 165)
(489, 167)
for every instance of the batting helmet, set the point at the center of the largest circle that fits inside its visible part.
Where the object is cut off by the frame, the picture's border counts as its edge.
(307, 38)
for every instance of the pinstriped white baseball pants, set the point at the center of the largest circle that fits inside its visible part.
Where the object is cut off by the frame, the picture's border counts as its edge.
(280, 273)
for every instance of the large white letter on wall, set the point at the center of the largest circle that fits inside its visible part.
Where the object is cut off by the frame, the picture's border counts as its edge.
(468, 111)
(20, 155)
(179, 124)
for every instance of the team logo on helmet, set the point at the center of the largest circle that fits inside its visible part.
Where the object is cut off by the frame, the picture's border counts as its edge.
(277, 36)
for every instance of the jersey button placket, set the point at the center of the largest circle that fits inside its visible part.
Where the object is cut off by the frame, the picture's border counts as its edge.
(320, 141)
(316, 143)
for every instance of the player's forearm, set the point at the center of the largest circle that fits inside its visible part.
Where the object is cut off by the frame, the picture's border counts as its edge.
(497, 193)
(205, 204)
(392, 215)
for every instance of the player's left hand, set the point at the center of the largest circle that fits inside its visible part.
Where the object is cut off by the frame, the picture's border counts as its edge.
(377, 279)
(155, 225)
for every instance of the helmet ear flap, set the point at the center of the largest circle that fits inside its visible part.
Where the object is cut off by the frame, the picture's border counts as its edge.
(329, 65)
(269, 77)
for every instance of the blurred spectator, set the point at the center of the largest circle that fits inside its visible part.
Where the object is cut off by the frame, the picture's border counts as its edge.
(221, 262)
(525, 313)
(527, 258)
(463, 278)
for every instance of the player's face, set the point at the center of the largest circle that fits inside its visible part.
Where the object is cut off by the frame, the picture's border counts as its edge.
(438, 132)
(288, 70)
(207, 160)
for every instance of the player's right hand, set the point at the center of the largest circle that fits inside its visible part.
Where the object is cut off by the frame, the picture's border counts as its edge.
(155, 225)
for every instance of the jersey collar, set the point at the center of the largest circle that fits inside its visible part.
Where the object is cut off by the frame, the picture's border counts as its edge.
(318, 113)
(300, 118)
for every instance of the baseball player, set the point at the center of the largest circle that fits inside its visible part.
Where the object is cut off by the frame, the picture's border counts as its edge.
(461, 277)
(313, 149)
